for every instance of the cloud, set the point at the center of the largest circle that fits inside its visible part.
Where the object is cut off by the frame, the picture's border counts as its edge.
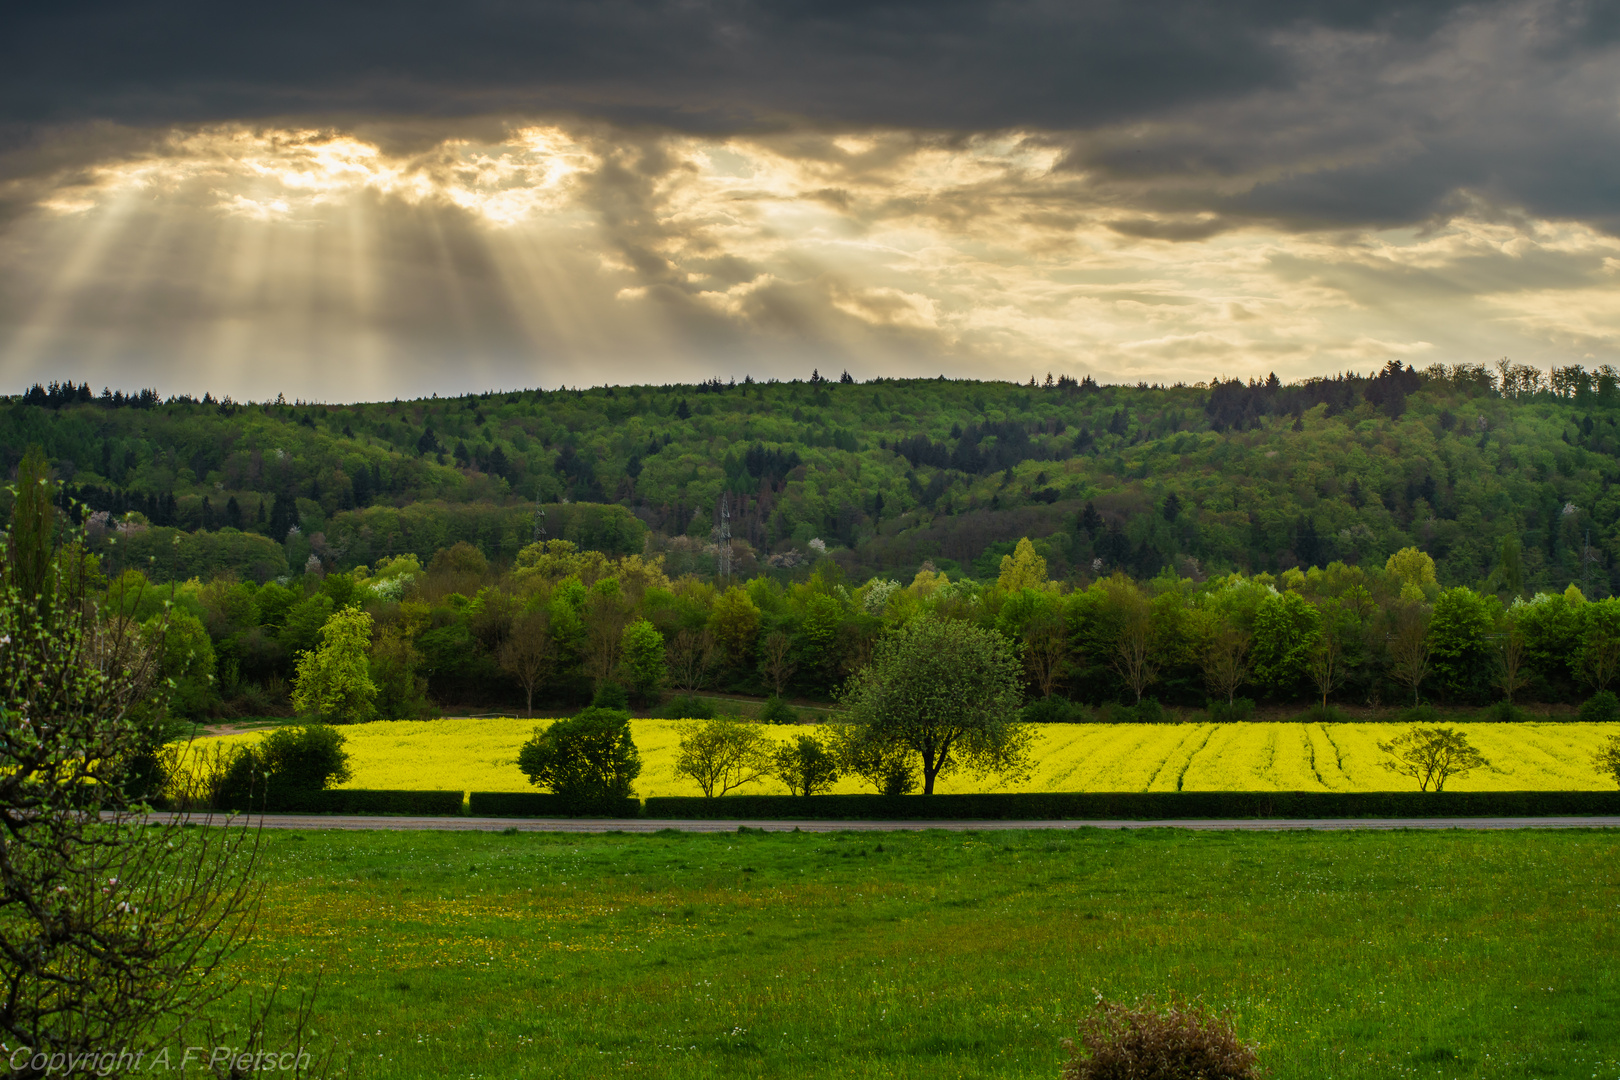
(364, 200)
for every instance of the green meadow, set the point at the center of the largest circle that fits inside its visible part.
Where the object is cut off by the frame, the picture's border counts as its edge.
(934, 954)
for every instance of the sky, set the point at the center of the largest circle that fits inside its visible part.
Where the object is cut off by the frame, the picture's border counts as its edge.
(359, 201)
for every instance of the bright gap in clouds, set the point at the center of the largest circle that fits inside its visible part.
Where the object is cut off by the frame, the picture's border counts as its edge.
(328, 266)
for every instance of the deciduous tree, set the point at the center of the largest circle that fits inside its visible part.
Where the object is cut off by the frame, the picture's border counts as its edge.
(334, 680)
(1432, 755)
(949, 693)
(805, 765)
(723, 754)
(590, 760)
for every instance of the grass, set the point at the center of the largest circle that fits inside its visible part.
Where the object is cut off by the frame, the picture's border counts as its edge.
(1360, 954)
(481, 755)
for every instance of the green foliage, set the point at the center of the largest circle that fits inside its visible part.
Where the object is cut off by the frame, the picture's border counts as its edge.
(1607, 759)
(1459, 633)
(188, 663)
(1054, 709)
(642, 662)
(805, 765)
(1285, 628)
(948, 693)
(306, 757)
(1602, 707)
(778, 711)
(722, 754)
(686, 708)
(1431, 755)
(611, 695)
(589, 760)
(334, 681)
(395, 667)
(1240, 709)
(31, 539)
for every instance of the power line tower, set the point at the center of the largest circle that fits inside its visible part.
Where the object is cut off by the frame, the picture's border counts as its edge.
(723, 551)
(539, 532)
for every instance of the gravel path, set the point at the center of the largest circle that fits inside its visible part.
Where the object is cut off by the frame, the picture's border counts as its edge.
(646, 825)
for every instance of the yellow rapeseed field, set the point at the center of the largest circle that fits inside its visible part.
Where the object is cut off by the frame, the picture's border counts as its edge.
(481, 755)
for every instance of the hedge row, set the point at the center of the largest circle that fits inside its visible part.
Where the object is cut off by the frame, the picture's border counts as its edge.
(359, 801)
(1033, 806)
(543, 804)
(1143, 805)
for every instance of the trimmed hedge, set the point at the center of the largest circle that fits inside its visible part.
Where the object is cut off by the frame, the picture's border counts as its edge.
(1142, 805)
(360, 801)
(541, 804)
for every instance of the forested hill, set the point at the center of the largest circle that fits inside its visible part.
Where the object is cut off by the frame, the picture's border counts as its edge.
(1463, 462)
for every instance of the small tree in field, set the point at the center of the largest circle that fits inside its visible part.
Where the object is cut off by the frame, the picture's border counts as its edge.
(947, 692)
(722, 754)
(590, 760)
(333, 682)
(805, 766)
(1432, 756)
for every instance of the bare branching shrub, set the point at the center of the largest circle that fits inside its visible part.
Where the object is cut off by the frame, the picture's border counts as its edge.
(1146, 1041)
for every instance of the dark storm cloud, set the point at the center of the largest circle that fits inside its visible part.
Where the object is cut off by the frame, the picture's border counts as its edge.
(1307, 115)
(697, 65)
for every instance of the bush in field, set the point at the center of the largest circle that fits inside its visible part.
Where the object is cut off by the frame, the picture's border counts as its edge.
(805, 766)
(1231, 712)
(1146, 1041)
(1504, 712)
(1601, 708)
(686, 708)
(589, 760)
(1054, 709)
(1607, 759)
(306, 757)
(777, 711)
(611, 695)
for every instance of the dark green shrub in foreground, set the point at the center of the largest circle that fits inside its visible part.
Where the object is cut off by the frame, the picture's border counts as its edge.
(589, 760)
(777, 711)
(1601, 708)
(1183, 1041)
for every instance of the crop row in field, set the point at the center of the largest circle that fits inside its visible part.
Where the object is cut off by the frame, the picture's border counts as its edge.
(481, 755)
